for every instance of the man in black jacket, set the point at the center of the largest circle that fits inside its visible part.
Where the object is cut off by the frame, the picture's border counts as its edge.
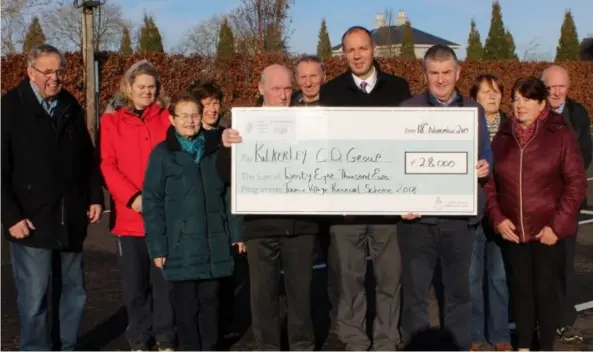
(277, 243)
(365, 85)
(51, 190)
(557, 80)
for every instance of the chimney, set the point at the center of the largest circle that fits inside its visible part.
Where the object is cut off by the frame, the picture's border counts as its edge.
(379, 21)
(401, 19)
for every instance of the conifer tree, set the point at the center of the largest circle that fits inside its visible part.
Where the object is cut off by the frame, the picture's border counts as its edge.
(226, 41)
(34, 36)
(149, 40)
(273, 39)
(511, 48)
(407, 49)
(475, 51)
(324, 47)
(125, 46)
(496, 45)
(568, 46)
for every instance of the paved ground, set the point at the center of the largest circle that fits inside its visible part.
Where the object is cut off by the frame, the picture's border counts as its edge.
(105, 318)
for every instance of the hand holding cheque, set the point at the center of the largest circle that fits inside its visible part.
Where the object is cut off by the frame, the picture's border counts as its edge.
(320, 161)
(482, 170)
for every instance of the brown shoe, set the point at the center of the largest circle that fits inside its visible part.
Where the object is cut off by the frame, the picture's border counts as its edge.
(476, 347)
(503, 347)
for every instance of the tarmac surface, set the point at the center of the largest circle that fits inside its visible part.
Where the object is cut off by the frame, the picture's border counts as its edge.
(104, 322)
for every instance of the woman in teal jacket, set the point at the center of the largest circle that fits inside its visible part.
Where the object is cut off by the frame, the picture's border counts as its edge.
(189, 229)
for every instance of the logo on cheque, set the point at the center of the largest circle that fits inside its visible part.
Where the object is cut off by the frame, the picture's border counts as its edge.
(438, 204)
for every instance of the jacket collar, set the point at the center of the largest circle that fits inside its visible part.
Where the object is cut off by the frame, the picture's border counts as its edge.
(456, 102)
(213, 141)
(152, 111)
(64, 102)
(553, 122)
(381, 78)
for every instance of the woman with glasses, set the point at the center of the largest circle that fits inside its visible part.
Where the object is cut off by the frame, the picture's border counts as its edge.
(127, 136)
(189, 228)
(533, 199)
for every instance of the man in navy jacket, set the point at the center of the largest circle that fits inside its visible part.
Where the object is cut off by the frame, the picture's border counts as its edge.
(425, 239)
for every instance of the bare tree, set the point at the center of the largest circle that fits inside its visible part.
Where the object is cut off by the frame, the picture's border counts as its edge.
(64, 25)
(384, 22)
(15, 18)
(530, 49)
(262, 25)
(203, 38)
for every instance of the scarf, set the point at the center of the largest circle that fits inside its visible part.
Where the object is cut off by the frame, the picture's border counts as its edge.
(194, 147)
(524, 134)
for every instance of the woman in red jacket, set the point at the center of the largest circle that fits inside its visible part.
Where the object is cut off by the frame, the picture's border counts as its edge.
(533, 200)
(127, 135)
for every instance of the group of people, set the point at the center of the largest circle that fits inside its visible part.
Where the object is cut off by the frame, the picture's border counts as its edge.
(166, 165)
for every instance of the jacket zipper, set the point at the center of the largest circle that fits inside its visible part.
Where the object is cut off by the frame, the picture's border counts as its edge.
(180, 234)
(205, 208)
(521, 181)
(62, 212)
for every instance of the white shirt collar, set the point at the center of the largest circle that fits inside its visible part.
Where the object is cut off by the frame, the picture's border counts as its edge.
(371, 80)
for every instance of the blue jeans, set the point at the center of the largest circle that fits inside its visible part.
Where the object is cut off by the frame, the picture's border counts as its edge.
(488, 283)
(32, 270)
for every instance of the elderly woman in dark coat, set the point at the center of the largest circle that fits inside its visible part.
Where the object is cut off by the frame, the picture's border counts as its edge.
(189, 229)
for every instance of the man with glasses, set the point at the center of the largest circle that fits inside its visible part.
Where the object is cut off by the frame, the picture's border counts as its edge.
(576, 116)
(51, 191)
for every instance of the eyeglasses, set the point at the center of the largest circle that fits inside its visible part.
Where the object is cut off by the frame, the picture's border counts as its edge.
(186, 117)
(559, 86)
(49, 73)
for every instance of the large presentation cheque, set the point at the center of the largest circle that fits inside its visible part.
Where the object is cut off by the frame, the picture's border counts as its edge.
(359, 161)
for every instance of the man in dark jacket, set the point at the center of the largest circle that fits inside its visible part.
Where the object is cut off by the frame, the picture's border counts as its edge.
(310, 75)
(276, 243)
(365, 85)
(51, 190)
(557, 80)
(424, 240)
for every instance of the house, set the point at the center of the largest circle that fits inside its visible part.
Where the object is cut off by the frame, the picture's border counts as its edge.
(388, 38)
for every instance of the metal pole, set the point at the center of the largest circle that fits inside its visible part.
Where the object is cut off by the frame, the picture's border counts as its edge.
(89, 63)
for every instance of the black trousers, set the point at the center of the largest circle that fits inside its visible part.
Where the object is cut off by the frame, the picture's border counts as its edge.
(267, 257)
(568, 313)
(449, 241)
(230, 287)
(149, 306)
(196, 314)
(534, 271)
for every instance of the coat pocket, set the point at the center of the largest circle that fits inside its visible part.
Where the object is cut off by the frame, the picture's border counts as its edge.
(178, 237)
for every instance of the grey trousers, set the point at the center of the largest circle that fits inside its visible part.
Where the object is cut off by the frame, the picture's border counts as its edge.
(351, 241)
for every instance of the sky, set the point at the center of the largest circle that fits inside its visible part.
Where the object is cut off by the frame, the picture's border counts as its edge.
(535, 24)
